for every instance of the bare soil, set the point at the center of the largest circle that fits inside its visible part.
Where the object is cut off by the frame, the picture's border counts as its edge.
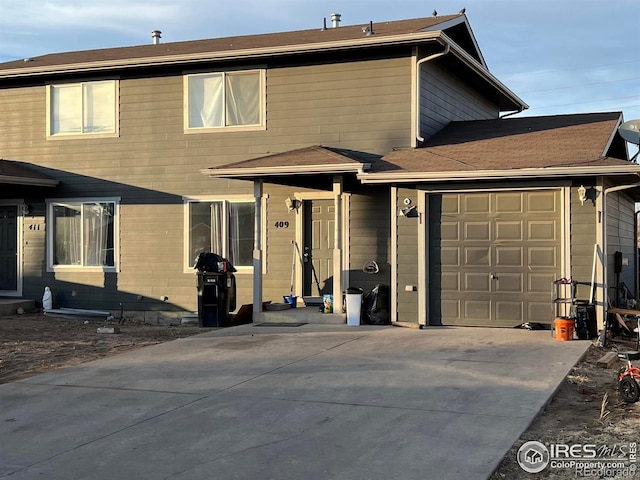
(586, 409)
(35, 343)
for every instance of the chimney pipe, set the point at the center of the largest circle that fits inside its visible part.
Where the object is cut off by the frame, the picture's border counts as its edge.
(335, 20)
(156, 35)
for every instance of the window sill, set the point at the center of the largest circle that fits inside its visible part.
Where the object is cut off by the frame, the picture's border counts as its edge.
(247, 128)
(82, 136)
(79, 269)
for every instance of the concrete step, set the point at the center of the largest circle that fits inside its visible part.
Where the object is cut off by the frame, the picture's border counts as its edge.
(9, 306)
(300, 315)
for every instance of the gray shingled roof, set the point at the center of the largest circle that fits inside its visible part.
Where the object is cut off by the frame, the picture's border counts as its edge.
(511, 143)
(278, 41)
(549, 142)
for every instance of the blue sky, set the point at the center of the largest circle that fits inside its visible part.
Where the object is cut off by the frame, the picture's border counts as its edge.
(559, 56)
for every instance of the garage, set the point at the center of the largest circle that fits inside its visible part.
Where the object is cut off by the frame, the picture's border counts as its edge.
(493, 256)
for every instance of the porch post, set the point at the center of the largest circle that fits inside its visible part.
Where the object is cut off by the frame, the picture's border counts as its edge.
(337, 245)
(257, 248)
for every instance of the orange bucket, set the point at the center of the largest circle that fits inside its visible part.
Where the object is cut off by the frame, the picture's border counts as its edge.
(564, 329)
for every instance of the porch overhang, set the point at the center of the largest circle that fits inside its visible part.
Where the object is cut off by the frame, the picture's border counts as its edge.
(304, 162)
(18, 173)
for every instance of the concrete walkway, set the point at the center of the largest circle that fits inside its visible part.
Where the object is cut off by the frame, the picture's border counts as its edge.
(311, 402)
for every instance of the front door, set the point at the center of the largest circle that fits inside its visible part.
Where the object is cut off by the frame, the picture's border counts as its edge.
(319, 231)
(8, 249)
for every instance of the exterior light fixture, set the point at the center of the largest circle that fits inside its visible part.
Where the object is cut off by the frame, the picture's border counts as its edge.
(582, 194)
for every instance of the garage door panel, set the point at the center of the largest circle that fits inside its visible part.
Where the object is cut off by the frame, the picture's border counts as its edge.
(476, 256)
(477, 311)
(477, 282)
(509, 256)
(450, 256)
(542, 202)
(450, 282)
(451, 204)
(450, 231)
(450, 309)
(510, 283)
(508, 202)
(476, 203)
(509, 231)
(510, 312)
(477, 231)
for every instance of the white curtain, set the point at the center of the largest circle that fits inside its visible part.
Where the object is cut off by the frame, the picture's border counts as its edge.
(243, 98)
(98, 219)
(67, 228)
(217, 228)
(206, 100)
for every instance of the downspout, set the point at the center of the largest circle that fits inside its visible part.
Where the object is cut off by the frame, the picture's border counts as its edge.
(418, 65)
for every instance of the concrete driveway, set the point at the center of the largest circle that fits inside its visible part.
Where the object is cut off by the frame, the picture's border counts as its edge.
(309, 402)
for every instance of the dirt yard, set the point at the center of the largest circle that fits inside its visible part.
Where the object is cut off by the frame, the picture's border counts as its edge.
(34, 343)
(578, 414)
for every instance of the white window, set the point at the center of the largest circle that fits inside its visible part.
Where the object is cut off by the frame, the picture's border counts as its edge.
(224, 227)
(87, 108)
(224, 99)
(82, 234)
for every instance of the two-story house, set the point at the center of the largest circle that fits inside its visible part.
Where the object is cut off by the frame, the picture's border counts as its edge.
(374, 153)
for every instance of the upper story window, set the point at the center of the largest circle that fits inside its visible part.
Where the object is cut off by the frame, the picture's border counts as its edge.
(85, 108)
(224, 100)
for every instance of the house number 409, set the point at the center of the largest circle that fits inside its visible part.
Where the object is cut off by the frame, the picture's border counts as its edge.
(282, 225)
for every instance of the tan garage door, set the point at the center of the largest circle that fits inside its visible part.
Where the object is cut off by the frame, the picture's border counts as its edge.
(493, 256)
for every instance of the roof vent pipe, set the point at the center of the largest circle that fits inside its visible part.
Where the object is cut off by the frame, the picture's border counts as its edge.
(324, 24)
(156, 35)
(335, 20)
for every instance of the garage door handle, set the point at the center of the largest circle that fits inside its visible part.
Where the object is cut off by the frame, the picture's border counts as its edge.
(494, 277)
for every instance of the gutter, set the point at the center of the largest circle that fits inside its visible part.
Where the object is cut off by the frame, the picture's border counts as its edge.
(429, 177)
(284, 170)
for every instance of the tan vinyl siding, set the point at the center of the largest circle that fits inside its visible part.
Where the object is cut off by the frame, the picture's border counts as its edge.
(153, 164)
(621, 237)
(407, 258)
(444, 98)
(583, 227)
(369, 239)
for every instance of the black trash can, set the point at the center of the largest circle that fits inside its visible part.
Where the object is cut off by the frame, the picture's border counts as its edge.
(216, 298)
(216, 290)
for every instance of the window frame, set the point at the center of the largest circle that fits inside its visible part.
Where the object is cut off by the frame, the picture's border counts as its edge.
(75, 135)
(189, 262)
(50, 232)
(262, 102)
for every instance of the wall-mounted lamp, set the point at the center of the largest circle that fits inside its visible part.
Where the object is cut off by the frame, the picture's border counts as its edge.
(409, 211)
(25, 209)
(582, 194)
(292, 204)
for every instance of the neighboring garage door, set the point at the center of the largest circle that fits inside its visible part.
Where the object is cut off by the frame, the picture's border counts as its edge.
(493, 256)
